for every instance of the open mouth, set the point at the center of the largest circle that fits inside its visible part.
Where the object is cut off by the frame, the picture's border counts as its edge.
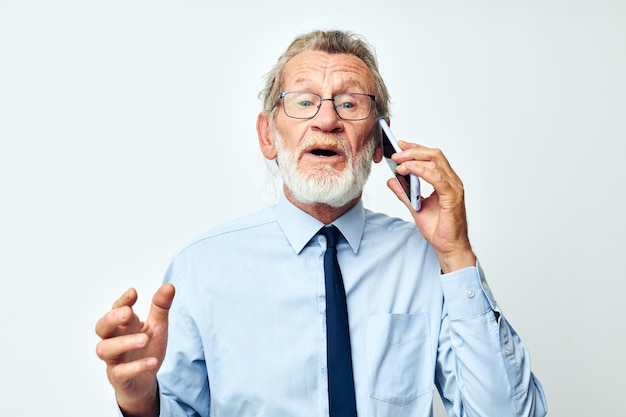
(323, 152)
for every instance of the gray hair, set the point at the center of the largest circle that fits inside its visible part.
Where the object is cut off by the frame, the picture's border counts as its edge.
(333, 42)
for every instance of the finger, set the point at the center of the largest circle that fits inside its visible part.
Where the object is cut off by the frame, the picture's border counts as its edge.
(122, 372)
(428, 157)
(439, 178)
(129, 298)
(405, 146)
(108, 324)
(110, 349)
(161, 303)
(438, 173)
(120, 314)
(397, 189)
(413, 151)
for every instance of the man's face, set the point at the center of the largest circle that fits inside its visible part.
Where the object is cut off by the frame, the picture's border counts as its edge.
(325, 153)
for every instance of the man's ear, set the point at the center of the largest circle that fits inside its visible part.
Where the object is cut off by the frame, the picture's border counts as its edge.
(378, 151)
(266, 138)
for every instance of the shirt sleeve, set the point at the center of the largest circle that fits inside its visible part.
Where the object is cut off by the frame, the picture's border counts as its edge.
(183, 377)
(169, 407)
(483, 369)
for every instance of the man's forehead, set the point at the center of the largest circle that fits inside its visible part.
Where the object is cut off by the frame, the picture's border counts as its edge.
(316, 66)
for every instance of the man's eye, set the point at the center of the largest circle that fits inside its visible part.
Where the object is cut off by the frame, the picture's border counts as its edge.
(347, 105)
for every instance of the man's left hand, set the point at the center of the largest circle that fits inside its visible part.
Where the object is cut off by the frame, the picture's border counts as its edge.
(442, 219)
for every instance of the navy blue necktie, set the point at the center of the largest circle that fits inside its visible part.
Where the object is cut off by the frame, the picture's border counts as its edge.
(340, 379)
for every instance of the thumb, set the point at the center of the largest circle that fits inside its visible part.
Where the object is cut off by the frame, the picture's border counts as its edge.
(395, 186)
(161, 303)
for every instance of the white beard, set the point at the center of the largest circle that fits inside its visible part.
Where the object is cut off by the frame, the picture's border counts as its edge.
(324, 185)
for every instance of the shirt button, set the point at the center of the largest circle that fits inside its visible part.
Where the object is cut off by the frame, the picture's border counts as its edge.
(470, 293)
(507, 352)
(484, 284)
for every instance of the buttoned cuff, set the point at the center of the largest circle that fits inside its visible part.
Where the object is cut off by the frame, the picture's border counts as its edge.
(467, 293)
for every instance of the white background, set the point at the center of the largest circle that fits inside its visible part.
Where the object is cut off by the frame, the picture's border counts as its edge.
(127, 127)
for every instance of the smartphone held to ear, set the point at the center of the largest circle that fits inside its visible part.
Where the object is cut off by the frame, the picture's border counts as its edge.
(410, 183)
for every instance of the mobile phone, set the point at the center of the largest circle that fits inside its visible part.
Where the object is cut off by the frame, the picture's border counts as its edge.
(410, 183)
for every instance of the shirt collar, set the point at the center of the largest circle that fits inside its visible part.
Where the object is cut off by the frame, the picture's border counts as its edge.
(299, 227)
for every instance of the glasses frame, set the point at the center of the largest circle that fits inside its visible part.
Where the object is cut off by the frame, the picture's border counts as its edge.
(322, 100)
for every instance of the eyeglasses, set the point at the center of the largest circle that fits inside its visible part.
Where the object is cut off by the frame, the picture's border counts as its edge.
(305, 105)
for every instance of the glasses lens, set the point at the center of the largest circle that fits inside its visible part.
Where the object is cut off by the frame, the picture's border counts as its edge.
(353, 106)
(301, 105)
(305, 105)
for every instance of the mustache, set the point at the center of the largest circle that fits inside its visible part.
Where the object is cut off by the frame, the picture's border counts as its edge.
(324, 140)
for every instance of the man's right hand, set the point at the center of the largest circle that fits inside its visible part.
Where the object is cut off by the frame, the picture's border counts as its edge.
(134, 350)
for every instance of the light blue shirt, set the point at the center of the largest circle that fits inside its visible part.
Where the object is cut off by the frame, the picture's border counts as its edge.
(247, 332)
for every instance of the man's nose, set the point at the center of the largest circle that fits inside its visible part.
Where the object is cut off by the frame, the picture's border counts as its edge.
(327, 118)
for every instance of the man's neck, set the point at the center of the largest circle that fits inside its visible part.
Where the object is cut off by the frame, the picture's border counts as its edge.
(322, 212)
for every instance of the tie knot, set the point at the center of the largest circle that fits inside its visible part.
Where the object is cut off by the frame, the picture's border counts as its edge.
(332, 235)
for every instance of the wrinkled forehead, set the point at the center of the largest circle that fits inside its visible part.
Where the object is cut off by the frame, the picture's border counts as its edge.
(321, 70)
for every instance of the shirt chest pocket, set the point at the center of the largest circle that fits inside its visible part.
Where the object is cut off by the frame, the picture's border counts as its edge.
(399, 357)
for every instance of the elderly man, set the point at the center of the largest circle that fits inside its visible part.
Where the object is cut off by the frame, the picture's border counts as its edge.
(317, 306)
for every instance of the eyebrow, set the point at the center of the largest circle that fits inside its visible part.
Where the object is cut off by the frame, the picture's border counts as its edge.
(347, 86)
